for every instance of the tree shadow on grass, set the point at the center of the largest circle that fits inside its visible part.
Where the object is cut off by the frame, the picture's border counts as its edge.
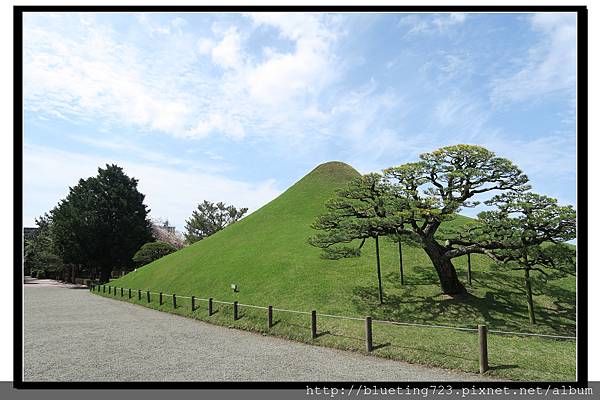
(499, 301)
(420, 275)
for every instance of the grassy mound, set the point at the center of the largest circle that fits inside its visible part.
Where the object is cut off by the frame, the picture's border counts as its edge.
(268, 257)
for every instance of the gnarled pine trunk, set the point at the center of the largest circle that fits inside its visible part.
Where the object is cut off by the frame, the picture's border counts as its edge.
(444, 268)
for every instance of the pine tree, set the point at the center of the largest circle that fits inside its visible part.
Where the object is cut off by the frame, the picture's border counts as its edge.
(210, 218)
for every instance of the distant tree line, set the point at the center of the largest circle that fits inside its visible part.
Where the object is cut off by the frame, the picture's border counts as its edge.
(103, 225)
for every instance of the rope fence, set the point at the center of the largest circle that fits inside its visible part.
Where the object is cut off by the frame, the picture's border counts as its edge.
(482, 330)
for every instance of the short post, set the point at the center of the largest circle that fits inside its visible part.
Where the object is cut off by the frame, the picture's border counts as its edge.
(369, 333)
(115, 291)
(121, 292)
(483, 351)
(469, 268)
(160, 298)
(139, 295)
(174, 301)
(148, 295)
(109, 290)
(210, 308)
(103, 288)
(193, 303)
(235, 310)
(129, 292)
(313, 324)
(270, 317)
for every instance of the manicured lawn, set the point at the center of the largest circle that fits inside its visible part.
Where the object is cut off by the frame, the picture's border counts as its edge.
(268, 257)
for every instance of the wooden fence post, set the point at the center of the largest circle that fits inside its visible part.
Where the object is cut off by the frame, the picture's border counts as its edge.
(103, 288)
(109, 290)
(148, 295)
(121, 292)
(313, 324)
(129, 292)
(160, 298)
(270, 317)
(210, 308)
(369, 333)
(139, 295)
(235, 310)
(483, 351)
(174, 301)
(193, 303)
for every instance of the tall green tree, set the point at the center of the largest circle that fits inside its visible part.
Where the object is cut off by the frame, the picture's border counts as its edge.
(210, 218)
(102, 222)
(357, 213)
(39, 252)
(526, 232)
(434, 189)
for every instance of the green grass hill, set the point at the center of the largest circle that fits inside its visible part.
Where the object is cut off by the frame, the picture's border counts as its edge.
(267, 256)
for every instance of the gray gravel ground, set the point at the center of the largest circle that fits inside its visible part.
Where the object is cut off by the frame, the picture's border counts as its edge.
(72, 335)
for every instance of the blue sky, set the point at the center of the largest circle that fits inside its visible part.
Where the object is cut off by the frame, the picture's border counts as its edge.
(237, 107)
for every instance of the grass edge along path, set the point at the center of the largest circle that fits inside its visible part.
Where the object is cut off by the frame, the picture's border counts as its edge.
(510, 357)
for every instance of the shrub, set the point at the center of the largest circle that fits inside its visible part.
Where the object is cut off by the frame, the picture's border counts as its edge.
(152, 251)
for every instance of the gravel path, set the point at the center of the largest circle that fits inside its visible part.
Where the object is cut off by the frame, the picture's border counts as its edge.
(73, 335)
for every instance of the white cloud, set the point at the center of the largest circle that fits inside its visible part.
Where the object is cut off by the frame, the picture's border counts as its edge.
(550, 65)
(217, 122)
(462, 113)
(443, 22)
(88, 71)
(304, 71)
(173, 26)
(89, 74)
(537, 156)
(205, 45)
(418, 24)
(134, 151)
(227, 52)
(170, 193)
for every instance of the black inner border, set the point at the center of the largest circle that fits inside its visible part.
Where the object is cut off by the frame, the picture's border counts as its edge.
(582, 206)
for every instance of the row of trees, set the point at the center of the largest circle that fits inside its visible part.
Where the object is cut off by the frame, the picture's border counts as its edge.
(411, 202)
(103, 224)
